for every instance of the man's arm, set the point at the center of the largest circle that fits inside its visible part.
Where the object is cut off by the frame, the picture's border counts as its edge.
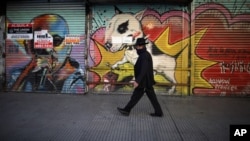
(143, 70)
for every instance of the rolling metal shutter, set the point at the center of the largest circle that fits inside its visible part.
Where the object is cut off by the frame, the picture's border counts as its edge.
(220, 49)
(2, 53)
(169, 37)
(69, 19)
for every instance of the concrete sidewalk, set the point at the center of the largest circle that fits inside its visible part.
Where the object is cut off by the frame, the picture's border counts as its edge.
(59, 117)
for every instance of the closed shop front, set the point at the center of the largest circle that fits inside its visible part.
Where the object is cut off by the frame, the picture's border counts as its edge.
(45, 47)
(198, 48)
(220, 59)
(114, 29)
(2, 52)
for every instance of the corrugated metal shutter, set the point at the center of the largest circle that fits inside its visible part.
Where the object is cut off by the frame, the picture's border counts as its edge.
(164, 37)
(2, 52)
(60, 19)
(221, 48)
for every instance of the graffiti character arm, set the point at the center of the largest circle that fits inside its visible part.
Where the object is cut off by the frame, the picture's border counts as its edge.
(116, 65)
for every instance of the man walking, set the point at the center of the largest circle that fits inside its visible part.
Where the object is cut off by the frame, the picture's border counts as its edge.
(144, 81)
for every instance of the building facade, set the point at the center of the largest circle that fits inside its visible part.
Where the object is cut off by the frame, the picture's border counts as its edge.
(198, 48)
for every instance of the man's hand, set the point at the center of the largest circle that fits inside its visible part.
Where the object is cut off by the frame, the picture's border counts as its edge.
(135, 84)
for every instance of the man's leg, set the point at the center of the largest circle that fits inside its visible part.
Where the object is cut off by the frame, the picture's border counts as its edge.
(154, 101)
(136, 96)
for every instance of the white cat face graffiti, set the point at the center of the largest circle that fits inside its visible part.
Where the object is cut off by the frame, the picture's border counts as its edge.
(123, 25)
(120, 27)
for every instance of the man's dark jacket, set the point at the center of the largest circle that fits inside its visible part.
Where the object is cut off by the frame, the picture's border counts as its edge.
(143, 69)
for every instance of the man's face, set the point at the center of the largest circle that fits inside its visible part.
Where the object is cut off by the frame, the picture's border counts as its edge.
(138, 47)
(57, 27)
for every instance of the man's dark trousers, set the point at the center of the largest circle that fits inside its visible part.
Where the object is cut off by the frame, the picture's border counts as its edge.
(137, 95)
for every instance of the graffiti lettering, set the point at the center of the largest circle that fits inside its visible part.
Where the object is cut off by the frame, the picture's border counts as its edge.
(246, 90)
(222, 84)
(235, 66)
(219, 81)
(225, 87)
(224, 52)
(223, 93)
(212, 50)
(231, 56)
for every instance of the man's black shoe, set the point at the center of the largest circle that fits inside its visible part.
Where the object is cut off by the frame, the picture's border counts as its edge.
(122, 111)
(156, 115)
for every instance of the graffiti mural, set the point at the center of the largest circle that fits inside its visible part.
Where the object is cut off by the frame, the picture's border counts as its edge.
(2, 52)
(168, 54)
(32, 68)
(223, 53)
(205, 51)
